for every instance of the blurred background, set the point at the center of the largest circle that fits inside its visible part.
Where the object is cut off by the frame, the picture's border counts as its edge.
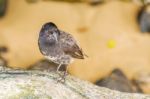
(113, 33)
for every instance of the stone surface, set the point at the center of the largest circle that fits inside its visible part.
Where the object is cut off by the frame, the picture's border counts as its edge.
(16, 84)
(142, 79)
(118, 81)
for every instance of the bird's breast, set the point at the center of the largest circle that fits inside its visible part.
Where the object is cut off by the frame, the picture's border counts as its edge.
(51, 58)
(60, 59)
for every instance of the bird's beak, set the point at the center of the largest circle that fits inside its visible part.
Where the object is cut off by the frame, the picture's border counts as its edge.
(55, 36)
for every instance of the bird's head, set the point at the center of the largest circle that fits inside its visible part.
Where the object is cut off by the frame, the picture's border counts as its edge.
(49, 33)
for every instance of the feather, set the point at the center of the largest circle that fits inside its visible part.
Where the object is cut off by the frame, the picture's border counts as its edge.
(70, 46)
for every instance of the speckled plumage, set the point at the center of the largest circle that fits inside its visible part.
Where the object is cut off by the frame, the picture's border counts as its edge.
(61, 51)
(58, 46)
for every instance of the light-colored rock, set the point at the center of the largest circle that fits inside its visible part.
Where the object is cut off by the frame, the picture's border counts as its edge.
(19, 84)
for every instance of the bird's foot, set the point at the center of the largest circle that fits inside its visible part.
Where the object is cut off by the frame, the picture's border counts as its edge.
(59, 73)
(62, 78)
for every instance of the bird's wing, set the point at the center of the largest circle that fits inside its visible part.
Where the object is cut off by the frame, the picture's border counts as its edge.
(70, 46)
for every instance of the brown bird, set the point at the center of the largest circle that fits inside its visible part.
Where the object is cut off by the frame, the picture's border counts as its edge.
(58, 46)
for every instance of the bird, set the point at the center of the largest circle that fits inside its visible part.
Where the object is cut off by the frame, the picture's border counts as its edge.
(58, 46)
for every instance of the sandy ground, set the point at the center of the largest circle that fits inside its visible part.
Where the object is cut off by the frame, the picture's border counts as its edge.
(108, 34)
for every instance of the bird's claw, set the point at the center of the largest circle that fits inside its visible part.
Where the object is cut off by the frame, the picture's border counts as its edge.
(62, 77)
(61, 80)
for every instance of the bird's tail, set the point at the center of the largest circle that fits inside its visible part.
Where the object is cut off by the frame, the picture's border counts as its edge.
(84, 54)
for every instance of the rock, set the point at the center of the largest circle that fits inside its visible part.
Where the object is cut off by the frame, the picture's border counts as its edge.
(3, 49)
(142, 79)
(16, 84)
(118, 81)
(137, 87)
(144, 18)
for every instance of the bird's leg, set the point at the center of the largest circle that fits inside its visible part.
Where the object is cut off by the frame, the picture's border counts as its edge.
(57, 71)
(63, 77)
(58, 68)
(65, 74)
